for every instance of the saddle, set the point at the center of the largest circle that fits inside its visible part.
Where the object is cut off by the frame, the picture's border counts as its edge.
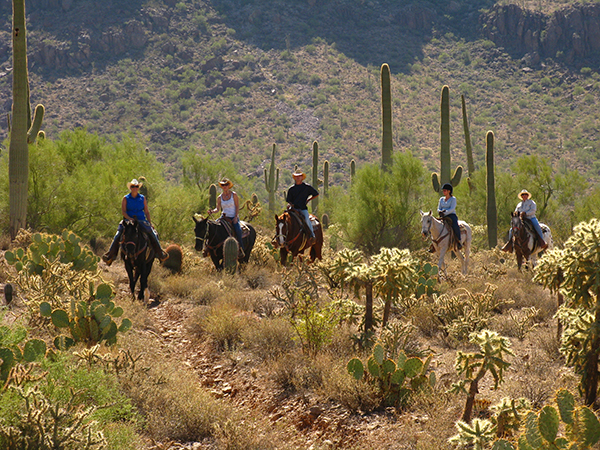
(228, 224)
(528, 224)
(300, 219)
(448, 224)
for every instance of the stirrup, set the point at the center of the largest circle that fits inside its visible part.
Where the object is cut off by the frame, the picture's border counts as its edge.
(107, 259)
(163, 256)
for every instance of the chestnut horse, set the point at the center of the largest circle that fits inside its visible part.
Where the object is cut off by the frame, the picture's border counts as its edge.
(526, 243)
(291, 236)
(138, 255)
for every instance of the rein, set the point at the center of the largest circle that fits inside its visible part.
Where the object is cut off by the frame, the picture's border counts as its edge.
(440, 238)
(204, 239)
(286, 242)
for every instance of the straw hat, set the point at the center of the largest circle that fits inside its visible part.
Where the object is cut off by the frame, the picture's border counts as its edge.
(134, 182)
(299, 173)
(226, 182)
(524, 191)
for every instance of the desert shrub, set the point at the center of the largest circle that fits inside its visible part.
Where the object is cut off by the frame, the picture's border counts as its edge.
(224, 325)
(295, 372)
(269, 338)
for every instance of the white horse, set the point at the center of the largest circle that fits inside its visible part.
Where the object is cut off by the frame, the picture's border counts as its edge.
(440, 236)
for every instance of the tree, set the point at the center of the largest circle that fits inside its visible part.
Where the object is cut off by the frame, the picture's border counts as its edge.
(575, 271)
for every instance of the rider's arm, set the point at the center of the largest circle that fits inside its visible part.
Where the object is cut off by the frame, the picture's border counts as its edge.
(124, 209)
(450, 206)
(529, 208)
(440, 207)
(146, 211)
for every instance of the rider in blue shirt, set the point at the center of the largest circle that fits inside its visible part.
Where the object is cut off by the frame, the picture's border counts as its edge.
(135, 205)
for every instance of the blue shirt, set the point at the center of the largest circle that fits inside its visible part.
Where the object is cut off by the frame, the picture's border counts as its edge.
(447, 206)
(135, 206)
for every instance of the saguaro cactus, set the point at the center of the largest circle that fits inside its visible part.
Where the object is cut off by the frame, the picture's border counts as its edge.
(212, 196)
(325, 178)
(387, 145)
(352, 170)
(22, 128)
(230, 254)
(272, 180)
(468, 146)
(492, 213)
(444, 176)
(315, 175)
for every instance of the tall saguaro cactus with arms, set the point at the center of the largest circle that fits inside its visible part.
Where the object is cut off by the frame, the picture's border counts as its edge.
(444, 176)
(492, 212)
(23, 129)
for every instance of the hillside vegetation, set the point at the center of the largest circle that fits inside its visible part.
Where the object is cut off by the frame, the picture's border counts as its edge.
(230, 78)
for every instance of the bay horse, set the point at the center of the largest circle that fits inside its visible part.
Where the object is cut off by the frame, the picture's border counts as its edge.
(292, 237)
(441, 235)
(211, 234)
(138, 254)
(526, 243)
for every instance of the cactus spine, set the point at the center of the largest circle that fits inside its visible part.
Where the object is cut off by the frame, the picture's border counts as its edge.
(230, 254)
(22, 129)
(272, 180)
(325, 178)
(444, 176)
(468, 146)
(315, 175)
(387, 145)
(492, 213)
(212, 196)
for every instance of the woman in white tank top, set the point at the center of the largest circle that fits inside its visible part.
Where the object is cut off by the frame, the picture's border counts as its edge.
(229, 204)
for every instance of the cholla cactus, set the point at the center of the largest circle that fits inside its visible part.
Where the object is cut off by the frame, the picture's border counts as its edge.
(575, 270)
(475, 435)
(474, 366)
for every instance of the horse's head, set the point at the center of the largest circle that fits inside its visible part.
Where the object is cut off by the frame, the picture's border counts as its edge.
(281, 230)
(426, 222)
(131, 237)
(200, 231)
(515, 222)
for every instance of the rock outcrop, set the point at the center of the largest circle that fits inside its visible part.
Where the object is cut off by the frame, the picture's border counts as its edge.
(569, 33)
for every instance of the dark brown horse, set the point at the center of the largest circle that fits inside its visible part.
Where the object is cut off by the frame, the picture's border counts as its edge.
(138, 255)
(291, 236)
(526, 242)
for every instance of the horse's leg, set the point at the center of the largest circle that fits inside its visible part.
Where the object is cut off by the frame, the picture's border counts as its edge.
(215, 260)
(143, 280)
(131, 276)
(441, 264)
(462, 260)
(283, 254)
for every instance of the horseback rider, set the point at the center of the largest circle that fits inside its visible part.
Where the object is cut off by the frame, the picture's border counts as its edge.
(529, 208)
(229, 204)
(298, 197)
(135, 205)
(447, 208)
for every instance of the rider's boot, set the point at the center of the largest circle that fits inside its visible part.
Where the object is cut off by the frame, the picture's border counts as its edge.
(113, 251)
(160, 253)
(508, 247)
(458, 245)
(543, 244)
(431, 249)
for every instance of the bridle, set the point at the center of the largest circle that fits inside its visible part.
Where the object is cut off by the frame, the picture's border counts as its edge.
(138, 235)
(428, 231)
(209, 245)
(280, 226)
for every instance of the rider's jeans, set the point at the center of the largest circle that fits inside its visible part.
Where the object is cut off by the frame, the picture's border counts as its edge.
(307, 219)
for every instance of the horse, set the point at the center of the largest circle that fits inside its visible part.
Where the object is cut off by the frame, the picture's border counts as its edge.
(138, 254)
(526, 242)
(291, 236)
(211, 234)
(441, 233)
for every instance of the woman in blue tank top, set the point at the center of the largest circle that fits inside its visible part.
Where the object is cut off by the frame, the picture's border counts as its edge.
(135, 205)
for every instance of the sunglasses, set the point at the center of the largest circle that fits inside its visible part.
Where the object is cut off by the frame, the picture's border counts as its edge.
(134, 186)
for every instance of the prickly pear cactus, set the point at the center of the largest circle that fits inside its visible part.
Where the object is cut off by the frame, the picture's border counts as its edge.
(89, 321)
(15, 349)
(396, 380)
(67, 248)
(230, 254)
